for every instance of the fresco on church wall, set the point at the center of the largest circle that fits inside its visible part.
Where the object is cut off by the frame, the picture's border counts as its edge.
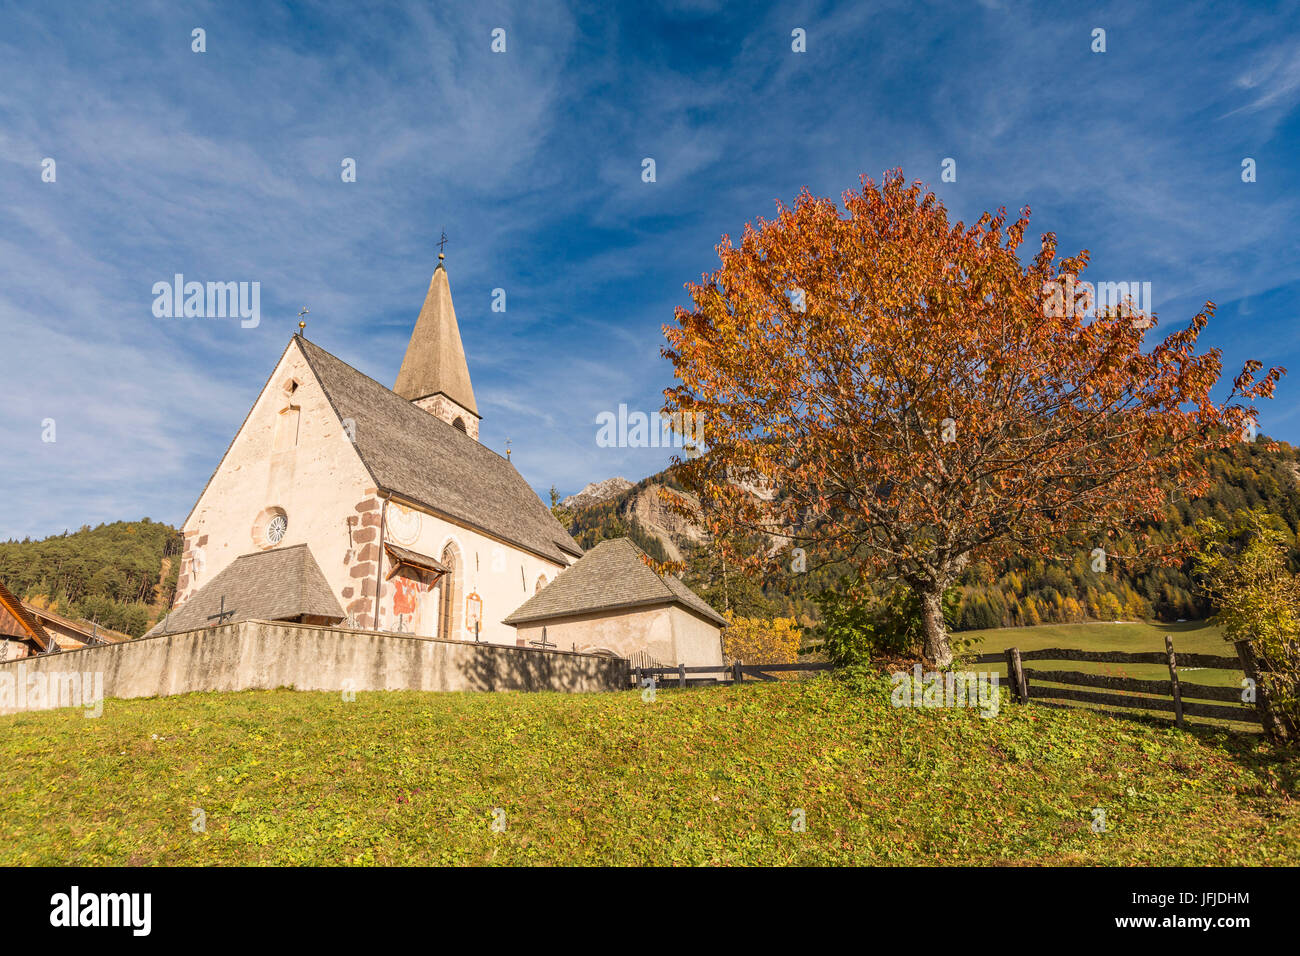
(406, 595)
(491, 573)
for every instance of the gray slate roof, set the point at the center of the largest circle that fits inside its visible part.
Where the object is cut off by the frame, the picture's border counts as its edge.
(412, 454)
(270, 585)
(610, 576)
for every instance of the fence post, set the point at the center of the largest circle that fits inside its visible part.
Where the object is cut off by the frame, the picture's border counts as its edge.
(1173, 679)
(1016, 674)
(681, 675)
(737, 675)
(1250, 665)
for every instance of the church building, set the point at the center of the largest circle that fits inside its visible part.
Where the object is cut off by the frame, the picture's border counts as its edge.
(384, 510)
(342, 502)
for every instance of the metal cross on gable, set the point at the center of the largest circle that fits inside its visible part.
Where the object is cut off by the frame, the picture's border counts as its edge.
(222, 614)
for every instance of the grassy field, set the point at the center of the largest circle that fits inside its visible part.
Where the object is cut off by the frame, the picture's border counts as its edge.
(1193, 637)
(709, 776)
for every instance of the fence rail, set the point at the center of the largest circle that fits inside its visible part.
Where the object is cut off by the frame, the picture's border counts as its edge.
(735, 673)
(1117, 657)
(1164, 696)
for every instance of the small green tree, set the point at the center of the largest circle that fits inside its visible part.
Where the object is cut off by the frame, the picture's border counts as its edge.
(857, 625)
(563, 514)
(1243, 567)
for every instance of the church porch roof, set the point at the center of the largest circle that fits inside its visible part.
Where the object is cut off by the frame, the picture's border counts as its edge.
(276, 585)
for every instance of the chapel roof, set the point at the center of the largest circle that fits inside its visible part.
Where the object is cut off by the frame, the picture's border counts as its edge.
(612, 575)
(276, 585)
(435, 357)
(435, 465)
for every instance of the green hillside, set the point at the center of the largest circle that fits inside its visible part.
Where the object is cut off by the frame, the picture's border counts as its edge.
(694, 777)
(122, 574)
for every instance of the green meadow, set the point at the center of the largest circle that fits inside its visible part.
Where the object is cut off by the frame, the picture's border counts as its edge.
(823, 771)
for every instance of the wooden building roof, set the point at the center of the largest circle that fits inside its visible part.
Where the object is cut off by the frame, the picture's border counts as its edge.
(17, 621)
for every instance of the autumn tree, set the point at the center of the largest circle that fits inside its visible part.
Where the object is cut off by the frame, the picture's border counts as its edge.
(767, 640)
(882, 386)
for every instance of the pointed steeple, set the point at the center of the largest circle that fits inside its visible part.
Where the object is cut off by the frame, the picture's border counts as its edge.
(434, 373)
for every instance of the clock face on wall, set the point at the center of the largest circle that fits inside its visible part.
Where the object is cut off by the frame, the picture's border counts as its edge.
(275, 529)
(403, 524)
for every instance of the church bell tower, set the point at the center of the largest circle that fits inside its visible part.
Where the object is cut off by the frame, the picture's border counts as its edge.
(434, 373)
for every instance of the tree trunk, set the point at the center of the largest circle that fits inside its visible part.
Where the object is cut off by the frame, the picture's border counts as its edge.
(936, 649)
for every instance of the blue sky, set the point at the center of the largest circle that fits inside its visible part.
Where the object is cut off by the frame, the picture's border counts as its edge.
(225, 166)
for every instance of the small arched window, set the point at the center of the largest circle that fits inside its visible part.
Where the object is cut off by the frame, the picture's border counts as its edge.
(460, 423)
(270, 527)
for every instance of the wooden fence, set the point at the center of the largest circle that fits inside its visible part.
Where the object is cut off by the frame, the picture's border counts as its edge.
(1166, 696)
(1174, 696)
(725, 674)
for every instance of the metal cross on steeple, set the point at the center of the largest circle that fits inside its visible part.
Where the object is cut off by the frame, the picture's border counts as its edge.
(301, 324)
(442, 242)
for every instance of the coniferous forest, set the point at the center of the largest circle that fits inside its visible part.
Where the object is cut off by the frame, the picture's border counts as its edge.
(121, 575)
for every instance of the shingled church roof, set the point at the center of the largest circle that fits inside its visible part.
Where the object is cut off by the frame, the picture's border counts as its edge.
(277, 585)
(435, 358)
(611, 576)
(419, 457)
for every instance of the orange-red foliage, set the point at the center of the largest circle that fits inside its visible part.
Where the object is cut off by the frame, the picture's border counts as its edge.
(924, 405)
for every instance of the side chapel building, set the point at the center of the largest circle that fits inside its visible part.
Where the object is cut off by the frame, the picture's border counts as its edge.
(342, 502)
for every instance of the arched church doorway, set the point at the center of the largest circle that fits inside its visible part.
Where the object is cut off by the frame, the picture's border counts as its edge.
(450, 595)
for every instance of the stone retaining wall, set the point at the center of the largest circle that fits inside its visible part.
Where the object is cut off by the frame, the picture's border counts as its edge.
(258, 655)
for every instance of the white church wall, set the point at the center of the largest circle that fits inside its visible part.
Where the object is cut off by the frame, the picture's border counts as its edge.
(315, 478)
(668, 633)
(501, 575)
